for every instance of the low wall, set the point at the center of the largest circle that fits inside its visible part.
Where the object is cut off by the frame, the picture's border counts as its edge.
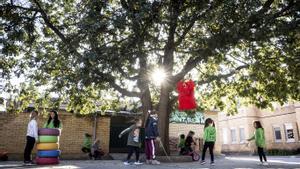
(13, 132)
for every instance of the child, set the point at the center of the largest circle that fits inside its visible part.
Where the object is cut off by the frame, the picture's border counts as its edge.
(133, 141)
(97, 152)
(181, 144)
(31, 137)
(53, 121)
(209, 140)
(189, 141)
(260, 142)
(151, 134)
(87, 143)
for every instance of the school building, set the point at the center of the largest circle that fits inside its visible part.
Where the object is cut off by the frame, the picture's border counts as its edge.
(281, 128)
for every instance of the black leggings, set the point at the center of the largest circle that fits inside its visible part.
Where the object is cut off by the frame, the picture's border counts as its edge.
(30, 141)
(131, 150)
(210, 146)
(261, 154)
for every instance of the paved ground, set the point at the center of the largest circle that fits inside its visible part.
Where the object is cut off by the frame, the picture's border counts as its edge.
(236, 162)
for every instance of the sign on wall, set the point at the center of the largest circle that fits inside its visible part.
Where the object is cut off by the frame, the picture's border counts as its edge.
(182, 117)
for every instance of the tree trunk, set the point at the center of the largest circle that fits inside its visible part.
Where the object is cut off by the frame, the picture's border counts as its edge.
(146, 104)
(163, 116)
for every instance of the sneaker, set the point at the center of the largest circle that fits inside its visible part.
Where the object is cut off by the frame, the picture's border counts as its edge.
(126, 163)
(212, 163)
(265, 163)
(260, 163)
(202, 162)
(28, 164)
(148, 161)
(138, 163)
(155, 162)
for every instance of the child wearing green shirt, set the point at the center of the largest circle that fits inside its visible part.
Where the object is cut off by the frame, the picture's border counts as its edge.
(259, 137)
(181, 144)
(87, 144)
(53, 121)
(209, 140)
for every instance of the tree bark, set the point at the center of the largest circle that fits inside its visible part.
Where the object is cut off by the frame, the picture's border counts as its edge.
(164, 110)
(146, 104)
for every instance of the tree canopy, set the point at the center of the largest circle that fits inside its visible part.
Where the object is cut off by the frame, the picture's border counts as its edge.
(239, 52)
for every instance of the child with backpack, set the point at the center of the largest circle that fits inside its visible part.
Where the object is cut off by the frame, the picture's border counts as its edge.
(209, 140)
(133, 141)
(259, 137)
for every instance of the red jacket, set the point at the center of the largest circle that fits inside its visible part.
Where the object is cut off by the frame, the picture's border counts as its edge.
(186, 96)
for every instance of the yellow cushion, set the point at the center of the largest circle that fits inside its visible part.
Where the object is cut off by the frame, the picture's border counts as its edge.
(47, 146)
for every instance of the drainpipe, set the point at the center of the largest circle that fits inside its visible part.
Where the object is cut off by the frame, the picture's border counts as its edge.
(95, 126)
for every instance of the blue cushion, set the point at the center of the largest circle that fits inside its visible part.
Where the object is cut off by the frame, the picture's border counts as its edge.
(48, 153)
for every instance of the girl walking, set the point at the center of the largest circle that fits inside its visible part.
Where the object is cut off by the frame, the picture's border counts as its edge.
(151, 135)
(259, 137)
(133, 141)
(209, 140)
(31, 137)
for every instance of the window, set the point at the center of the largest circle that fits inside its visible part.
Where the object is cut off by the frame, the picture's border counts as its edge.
(225, 136)
(233, 136)
(277, 134)
(289, 132)
(242, 135)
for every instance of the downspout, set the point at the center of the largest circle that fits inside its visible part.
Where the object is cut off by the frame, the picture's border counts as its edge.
(95, 126)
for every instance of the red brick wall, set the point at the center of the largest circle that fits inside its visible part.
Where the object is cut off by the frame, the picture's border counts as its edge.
(13, 131)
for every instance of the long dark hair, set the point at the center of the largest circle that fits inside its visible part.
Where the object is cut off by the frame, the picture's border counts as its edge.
(208, 121)
(56, 121)
(257, 124)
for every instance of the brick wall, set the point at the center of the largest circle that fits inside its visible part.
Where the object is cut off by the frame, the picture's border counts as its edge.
(13, 132)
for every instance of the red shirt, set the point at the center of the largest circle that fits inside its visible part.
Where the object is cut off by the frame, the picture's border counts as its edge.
(186, 96)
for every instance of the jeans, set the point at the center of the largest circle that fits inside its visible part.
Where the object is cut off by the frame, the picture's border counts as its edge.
(210, 146)
(30, 141)
(261, 154)
(131, 150)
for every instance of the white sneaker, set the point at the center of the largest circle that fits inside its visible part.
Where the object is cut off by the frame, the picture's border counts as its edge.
(155, 162)
(260, 163)
(202, 162)
(212, 163)
(126, 163)
(265, 163)
(148, 161)
(138, 163)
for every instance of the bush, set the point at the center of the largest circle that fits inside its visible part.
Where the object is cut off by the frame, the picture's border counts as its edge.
(278, 152)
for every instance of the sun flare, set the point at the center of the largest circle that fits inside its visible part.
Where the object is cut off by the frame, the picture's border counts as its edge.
(158, 76)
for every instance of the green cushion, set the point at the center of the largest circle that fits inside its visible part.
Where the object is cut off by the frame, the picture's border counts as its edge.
(48, 139)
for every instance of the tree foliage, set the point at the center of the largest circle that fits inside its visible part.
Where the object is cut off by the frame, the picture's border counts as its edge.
(237, 50)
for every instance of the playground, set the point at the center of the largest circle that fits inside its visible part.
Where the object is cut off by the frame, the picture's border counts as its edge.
(231, 162)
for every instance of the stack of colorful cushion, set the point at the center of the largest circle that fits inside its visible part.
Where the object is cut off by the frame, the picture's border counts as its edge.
(48, 146)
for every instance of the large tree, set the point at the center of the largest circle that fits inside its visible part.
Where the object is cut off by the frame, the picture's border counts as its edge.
(238, 49)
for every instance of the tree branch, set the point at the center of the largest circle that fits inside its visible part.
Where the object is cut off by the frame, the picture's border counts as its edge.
(222, 76)
(111, 81)
(124, 91)
(19, 7)
(191, 63)
(49, 24)
(191, 24)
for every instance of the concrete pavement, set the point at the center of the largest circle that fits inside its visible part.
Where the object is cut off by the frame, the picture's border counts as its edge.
(229, 162)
